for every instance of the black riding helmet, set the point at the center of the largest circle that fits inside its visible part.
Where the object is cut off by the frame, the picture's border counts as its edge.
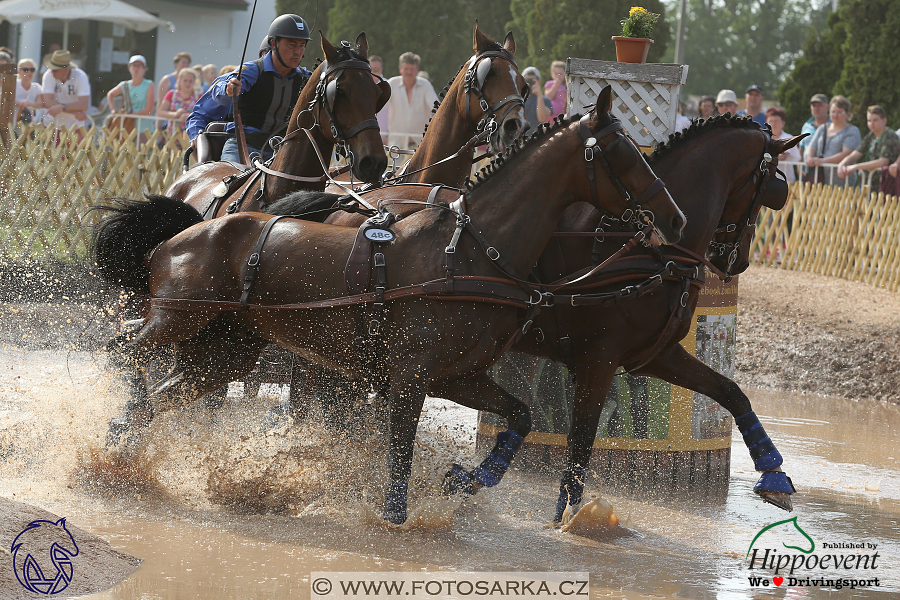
(287, 26)
(264, 46)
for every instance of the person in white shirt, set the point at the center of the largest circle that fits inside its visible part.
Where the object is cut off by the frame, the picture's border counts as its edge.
(28, 93)
(412, 99)
(66, 91)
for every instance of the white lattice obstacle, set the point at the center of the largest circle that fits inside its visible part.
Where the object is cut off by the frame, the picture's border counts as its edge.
(646, 95)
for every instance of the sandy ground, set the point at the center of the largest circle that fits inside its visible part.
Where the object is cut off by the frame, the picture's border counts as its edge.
(809, 333)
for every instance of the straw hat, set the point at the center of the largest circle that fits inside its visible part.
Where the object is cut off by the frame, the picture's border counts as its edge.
(61, 59)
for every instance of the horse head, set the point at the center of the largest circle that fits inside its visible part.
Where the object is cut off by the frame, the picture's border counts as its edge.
(614, 162)
(757, 186)
(493, 91)
(346, 99)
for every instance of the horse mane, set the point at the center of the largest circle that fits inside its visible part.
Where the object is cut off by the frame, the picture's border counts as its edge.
(305, 201)
(700, 127)
(559, 122)
(495, 46)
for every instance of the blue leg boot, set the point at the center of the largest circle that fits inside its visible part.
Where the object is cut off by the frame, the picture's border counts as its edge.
(489, 472)
(395, 502)
(774, 486)
(571, 489)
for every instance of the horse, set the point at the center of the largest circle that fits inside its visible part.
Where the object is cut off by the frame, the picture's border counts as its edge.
(609, 324)
(337, 106)
(431, 329)
(471, 104)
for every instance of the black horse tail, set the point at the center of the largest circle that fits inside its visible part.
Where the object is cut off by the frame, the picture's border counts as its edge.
(308, 205)
(124, 238)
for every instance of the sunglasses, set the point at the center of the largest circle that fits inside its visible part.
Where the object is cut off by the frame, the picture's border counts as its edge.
(27, 69)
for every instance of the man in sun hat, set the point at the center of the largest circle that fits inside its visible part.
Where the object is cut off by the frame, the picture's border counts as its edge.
(754, 97)
(67, 91)
(726, 101)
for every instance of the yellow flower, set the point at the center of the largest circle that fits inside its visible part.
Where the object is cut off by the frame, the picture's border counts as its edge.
(636, 9)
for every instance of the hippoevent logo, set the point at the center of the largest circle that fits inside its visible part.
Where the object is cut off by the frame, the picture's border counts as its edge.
(838, 565)
(42, 556)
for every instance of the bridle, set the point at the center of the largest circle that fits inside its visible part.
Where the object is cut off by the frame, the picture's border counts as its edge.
(326, 93)
(634, 214)
(478, 68)
(746, 225)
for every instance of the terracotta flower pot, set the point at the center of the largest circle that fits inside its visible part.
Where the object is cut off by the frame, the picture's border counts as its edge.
(632, 50)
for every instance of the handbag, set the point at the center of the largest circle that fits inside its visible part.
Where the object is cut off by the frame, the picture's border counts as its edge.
(126, 123)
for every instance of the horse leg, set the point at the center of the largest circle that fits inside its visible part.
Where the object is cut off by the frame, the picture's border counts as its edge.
(159, 328)
(407, 396)
(593, 380)
(679, 367)
(482, 393)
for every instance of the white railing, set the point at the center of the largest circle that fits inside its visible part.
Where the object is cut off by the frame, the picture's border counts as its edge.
(800, 169)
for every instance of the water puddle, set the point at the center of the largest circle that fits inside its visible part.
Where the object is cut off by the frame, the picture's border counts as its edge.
(219, 508)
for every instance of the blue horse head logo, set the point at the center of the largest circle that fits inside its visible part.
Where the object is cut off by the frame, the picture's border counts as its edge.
(44, 543)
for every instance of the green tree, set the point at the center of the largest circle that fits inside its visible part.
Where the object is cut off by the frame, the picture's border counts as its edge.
(315, 13)
(578, 28)
(816, 71)
(735, 43)
(436, 30)
(854, 55)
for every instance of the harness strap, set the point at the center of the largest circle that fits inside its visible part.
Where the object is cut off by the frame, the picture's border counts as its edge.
(253, 262)
(234, 206)
(217, 201)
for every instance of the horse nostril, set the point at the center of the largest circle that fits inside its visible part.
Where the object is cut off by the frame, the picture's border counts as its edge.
(511, 129)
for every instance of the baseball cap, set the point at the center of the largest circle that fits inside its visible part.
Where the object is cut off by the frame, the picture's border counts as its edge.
(726, 96)
(754, 88)
(137, 58)
(531, 71)
(819, 98)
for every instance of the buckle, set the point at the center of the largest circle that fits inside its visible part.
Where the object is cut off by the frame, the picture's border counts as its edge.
(484, 105)
(492, 253)
(589, 154)
(449, 250)
(254, 260)
(379, 259)
(374, 324)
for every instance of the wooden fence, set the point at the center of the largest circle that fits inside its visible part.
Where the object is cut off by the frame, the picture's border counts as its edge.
(50, 178)
(840, 232)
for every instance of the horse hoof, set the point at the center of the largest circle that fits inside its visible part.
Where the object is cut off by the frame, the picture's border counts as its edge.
(457, 481)
(775, 487)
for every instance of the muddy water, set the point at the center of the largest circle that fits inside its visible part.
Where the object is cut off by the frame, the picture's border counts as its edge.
(219, 508)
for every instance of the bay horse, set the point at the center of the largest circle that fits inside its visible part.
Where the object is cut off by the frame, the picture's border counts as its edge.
(721, 172)
(486, 96)
(338, 106)
(438, 315)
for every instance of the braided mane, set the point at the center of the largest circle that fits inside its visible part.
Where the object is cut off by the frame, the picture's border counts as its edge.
(495, 46)
(699, 127)
(559, 122)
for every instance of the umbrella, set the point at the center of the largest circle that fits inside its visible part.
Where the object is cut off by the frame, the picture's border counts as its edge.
(113, 11)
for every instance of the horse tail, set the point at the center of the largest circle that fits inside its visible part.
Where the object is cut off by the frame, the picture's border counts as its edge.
(124, 238)
(306, 204)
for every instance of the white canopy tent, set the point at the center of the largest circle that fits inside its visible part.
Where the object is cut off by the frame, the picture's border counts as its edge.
(112, 11)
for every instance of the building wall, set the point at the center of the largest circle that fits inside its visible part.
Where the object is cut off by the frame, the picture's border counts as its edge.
(210, 35)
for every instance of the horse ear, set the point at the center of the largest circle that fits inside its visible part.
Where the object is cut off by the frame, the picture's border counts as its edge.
(782, 146)
(480, 42)
(509, 44)
(328, 50)
(362, 45)
(604, 104)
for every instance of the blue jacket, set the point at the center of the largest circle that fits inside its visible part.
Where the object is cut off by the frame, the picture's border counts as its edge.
(215, 104)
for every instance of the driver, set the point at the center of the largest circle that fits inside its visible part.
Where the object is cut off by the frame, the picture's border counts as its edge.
(267, 89)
